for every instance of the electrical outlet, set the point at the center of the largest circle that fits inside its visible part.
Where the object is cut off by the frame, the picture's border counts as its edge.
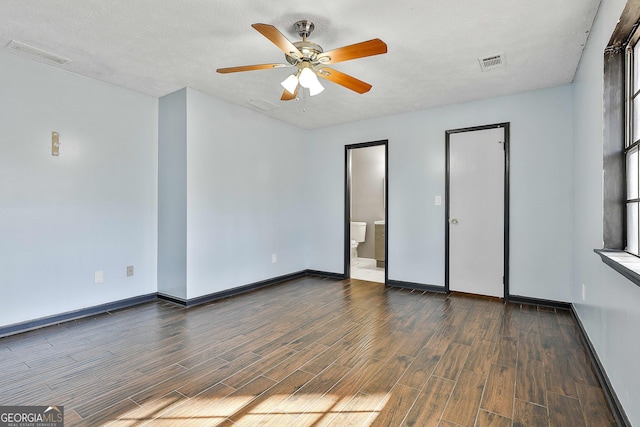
(98, 277)
(274, 258)
(129, 270)
(584, 293)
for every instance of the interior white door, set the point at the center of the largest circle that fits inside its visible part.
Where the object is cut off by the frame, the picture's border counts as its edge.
(476, 211)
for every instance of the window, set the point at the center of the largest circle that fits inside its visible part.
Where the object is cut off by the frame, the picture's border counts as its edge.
(621, 147)
(632, 143)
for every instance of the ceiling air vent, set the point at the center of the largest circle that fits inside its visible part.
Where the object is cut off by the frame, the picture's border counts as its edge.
(492, 61)
(263, 104)
(27, 50)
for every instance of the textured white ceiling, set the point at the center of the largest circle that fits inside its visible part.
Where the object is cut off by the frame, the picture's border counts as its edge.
(159, 46)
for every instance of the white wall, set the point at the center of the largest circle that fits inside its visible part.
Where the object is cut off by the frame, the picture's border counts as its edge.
(244, 196)
(541, 143)
(172, 194)
(611, 310)
(92, 208)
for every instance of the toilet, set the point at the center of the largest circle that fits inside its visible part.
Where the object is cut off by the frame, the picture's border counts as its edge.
(357, 233)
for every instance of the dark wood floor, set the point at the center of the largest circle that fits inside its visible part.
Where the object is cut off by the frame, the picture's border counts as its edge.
(312, 352)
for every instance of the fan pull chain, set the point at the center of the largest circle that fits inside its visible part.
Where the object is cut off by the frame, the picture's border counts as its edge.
(304, 100)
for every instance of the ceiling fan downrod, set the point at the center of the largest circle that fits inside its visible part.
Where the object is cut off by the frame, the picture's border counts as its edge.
(304, 28)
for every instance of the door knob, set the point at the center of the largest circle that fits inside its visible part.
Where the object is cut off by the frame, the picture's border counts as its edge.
(453, 220)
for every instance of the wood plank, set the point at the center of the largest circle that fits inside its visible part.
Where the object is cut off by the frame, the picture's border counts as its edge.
(564, 317)
(358, 412)
(594, 406)
(216, 375)
(564, 411)
(357, 377)
(489, 419)
(548, 319)
(261, 366)
(410, 344)
(265, 405)
(526, 414)
(467, 334)
(386, 377)
(529, 346)
(313, 336)
(196, 406)
(161, 388)
(290, 365)
(490, 329)
(465, 399)
(212, 412)
(499, 391)
(430, 403)
(481, 356)
(349, 385)
(89, 404)
(558, 375)
(581, 367)
(507, 352)
(530, 383)
(396, 407)
(552, 342)
(151, 410)
(509, 326)
(526, 321)
(452, 361)
(297, 403)
(420, 369)
(109, 413)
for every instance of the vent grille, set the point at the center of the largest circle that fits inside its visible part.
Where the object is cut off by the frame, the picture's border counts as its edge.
(492, 61)
(27, 50)
(263, 104)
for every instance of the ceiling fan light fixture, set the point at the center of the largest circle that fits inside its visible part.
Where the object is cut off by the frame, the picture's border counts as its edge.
(308, 78)
(290, 83)
(316, 89)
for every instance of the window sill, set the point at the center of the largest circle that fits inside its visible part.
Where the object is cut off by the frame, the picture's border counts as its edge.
(626, 264)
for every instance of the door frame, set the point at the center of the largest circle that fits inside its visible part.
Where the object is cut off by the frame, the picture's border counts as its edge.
(448, 134)
(347, 205)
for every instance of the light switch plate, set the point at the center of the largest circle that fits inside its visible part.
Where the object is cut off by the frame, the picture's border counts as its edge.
(129, 270)
(438, 200)
(98, 277)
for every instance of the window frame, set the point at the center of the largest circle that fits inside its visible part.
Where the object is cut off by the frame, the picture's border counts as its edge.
(631, 136)
(615, 146)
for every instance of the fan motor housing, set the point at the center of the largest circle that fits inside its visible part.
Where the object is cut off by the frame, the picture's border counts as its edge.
(309, 51)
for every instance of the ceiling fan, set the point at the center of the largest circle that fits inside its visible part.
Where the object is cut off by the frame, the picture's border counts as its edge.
(312, 61)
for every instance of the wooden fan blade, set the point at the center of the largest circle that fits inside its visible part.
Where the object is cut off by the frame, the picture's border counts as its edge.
(288, 96)
(249, 68)
(272, 33)
(354, 51)
(344, 80)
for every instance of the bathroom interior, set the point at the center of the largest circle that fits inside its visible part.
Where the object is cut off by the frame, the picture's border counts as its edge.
(367, 212)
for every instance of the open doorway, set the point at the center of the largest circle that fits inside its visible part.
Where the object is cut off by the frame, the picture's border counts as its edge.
(366, 202)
